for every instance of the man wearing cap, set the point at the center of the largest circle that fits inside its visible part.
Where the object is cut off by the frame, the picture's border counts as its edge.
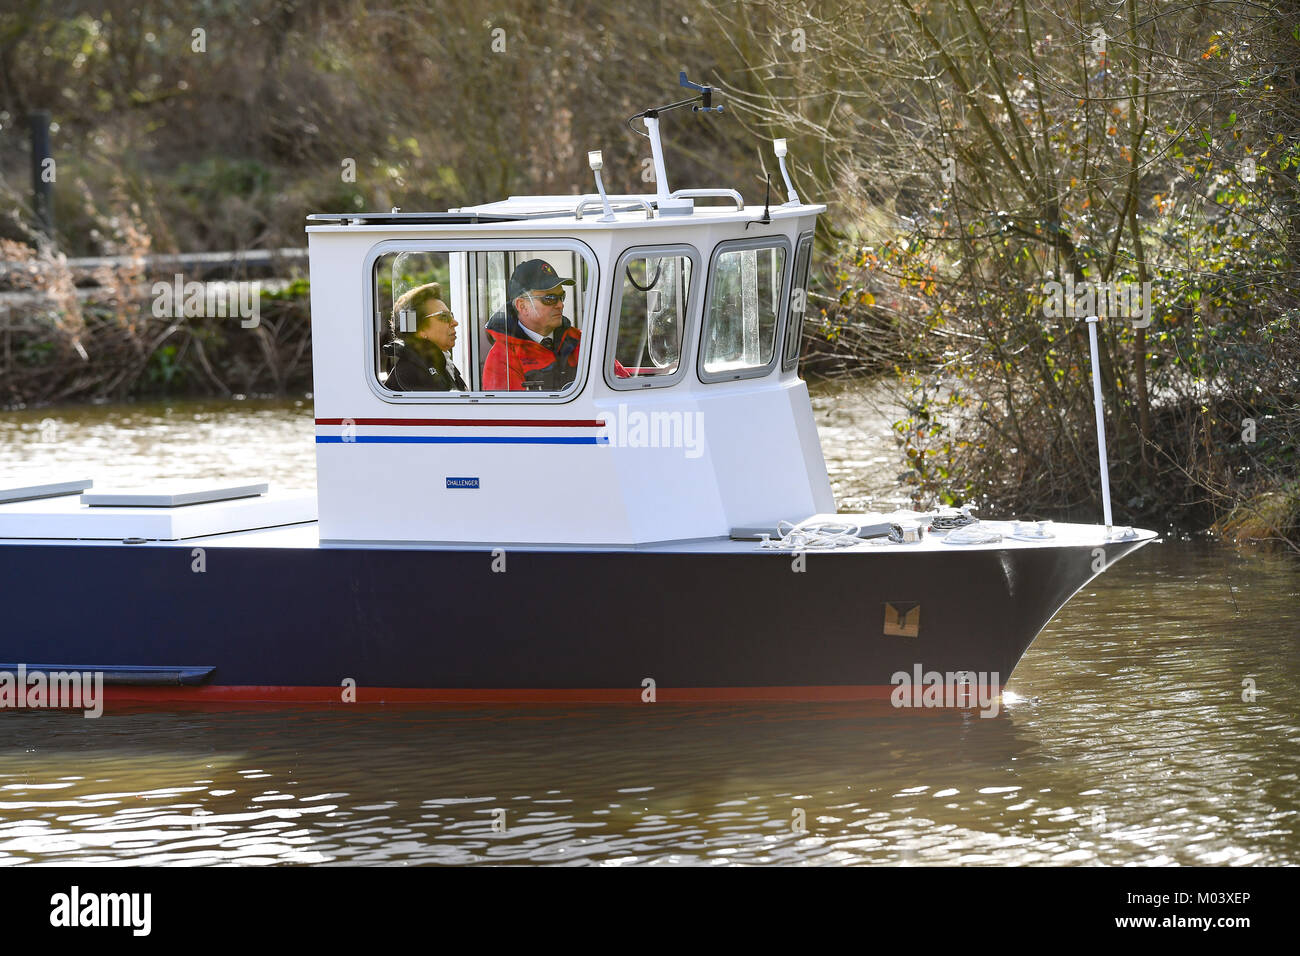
(534, 346)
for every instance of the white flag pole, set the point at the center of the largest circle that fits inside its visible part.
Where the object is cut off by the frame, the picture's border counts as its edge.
(1101, 424)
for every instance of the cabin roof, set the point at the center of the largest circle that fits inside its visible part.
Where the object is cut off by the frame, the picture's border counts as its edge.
(546, 213)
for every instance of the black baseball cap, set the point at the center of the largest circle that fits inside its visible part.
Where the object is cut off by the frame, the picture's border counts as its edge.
(534, 274)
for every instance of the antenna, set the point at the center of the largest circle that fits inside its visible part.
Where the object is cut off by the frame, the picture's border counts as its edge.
(706, 95)
(702, 103)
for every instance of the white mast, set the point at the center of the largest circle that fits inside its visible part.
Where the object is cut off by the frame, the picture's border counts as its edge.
(1101, 423)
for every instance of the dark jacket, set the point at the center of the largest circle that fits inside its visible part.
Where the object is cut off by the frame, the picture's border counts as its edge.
(411, 373)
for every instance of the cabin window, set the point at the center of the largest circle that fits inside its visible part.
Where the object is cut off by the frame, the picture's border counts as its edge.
(484, 320)
(798, 302)
(746, 284)
(652, 289)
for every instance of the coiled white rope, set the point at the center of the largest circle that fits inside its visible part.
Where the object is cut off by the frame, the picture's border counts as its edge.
(972, 534)
(816, 537)
(1032, 531)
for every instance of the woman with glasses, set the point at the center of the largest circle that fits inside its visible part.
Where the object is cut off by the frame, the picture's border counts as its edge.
(420, 363)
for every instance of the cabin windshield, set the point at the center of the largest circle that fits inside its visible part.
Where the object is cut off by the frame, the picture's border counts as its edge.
(746, 285)
(453, 321)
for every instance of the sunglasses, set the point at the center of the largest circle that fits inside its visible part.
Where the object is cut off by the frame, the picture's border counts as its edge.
(445, 315)
(551, 298)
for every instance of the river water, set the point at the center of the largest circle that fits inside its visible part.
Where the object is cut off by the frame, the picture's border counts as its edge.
(1155, 721)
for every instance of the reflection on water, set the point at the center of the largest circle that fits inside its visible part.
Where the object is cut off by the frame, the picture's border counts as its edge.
(127, 445)
(1125, 738)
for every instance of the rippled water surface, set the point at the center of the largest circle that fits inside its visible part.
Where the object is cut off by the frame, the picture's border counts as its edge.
(1124, 738)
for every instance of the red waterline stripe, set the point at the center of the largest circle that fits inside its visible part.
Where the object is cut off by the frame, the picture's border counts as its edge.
(486, 422)
(511, 695)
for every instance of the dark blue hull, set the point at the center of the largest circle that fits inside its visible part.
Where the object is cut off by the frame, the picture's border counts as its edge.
(295, 624)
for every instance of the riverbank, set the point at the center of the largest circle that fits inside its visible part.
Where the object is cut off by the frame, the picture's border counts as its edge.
(135, 328)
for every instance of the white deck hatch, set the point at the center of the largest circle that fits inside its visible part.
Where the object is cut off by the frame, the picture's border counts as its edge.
(28, 490)
(176, 496)
(172, 512)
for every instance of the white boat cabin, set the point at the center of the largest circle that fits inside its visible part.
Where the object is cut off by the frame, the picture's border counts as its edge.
(677, 412)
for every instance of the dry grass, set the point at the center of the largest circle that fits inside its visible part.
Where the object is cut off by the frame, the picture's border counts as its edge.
(1273, 516)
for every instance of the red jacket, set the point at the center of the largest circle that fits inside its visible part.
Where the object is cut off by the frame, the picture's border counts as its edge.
(515, 362)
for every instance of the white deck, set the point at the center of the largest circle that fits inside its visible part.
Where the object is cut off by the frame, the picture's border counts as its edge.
(67, 519)
(307, 535)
